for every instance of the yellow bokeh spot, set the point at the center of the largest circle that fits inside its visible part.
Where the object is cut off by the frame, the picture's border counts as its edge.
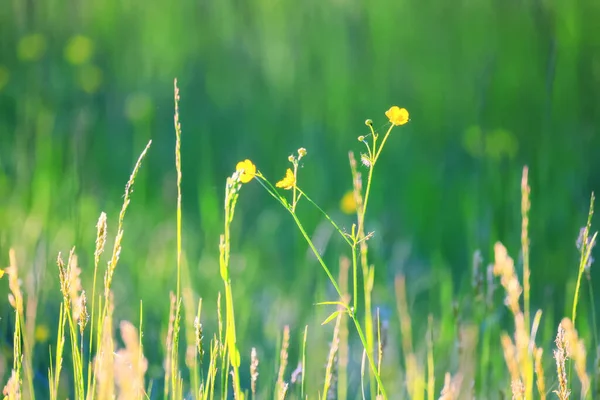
(31, 47)
(397, 116)
(494, 145)
(4, 75)
(42, 333)
(288, 181)
(138, 106)
(501, 143)
(472, 141)
(79, 50)
(89, 78)
(348, 203)
(248, 170)
(1, 273)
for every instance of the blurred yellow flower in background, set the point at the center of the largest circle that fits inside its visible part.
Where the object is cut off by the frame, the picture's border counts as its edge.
(348, 203)
(397, 116)
(288, 182)
(248, 170)
(31, 47)
(79, 50)
(42, 333)
(89, 78)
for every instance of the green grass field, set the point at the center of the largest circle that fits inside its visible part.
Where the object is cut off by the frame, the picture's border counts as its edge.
(455, 263)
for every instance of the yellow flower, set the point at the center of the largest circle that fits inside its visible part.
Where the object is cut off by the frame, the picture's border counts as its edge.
(348, 203)
(397, 115)
(1, 273)
(288, 182)
(248, 170)
(42, 333)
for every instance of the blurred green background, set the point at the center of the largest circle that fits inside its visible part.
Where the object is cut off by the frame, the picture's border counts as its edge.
(490, 85)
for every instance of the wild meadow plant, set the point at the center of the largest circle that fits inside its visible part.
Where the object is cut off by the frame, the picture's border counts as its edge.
(101, 370)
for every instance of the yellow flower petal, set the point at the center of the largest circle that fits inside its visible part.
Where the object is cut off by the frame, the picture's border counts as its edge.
(1, 273)
(288, 182)
(397, 116)
(248, 170)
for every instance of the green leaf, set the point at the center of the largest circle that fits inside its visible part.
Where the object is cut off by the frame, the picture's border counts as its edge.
(336, 303)
(331, 317)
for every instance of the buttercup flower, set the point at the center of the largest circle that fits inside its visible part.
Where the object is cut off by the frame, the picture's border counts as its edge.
(397, 116)
(288, 182)
(248, 170)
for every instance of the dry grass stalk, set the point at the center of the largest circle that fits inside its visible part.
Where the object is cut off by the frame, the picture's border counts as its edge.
(101, 234)
(469, 334)
(539, 372)
(75, 288)
(283, 391)
(170, 335)
(576, 351)
(199, 337)
(451, 388)
(519, 352)
(190, 330)
(112, 264)
(561, 355)
(525, 207)
(342, 358)
(130, 365)
(104, 361)
(505, 268)
(510, 352)
(15, 297)
(518, 390)
(84, 316)
(283, 360)
(12, 389)
(330, 376)
(253, 371)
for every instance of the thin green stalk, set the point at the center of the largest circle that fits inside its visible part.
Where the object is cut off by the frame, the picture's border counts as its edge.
(367, 278)
(585, 255)
(178, 168)
(100, 244)
(337, 228)
(383, 142)
(430, 360)
(60, 340)
(354, 274)
(140, 348)
(585, 251)
(334, 283)
(369, 357)
(231, 195)
(303, 361)
(317, 255)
